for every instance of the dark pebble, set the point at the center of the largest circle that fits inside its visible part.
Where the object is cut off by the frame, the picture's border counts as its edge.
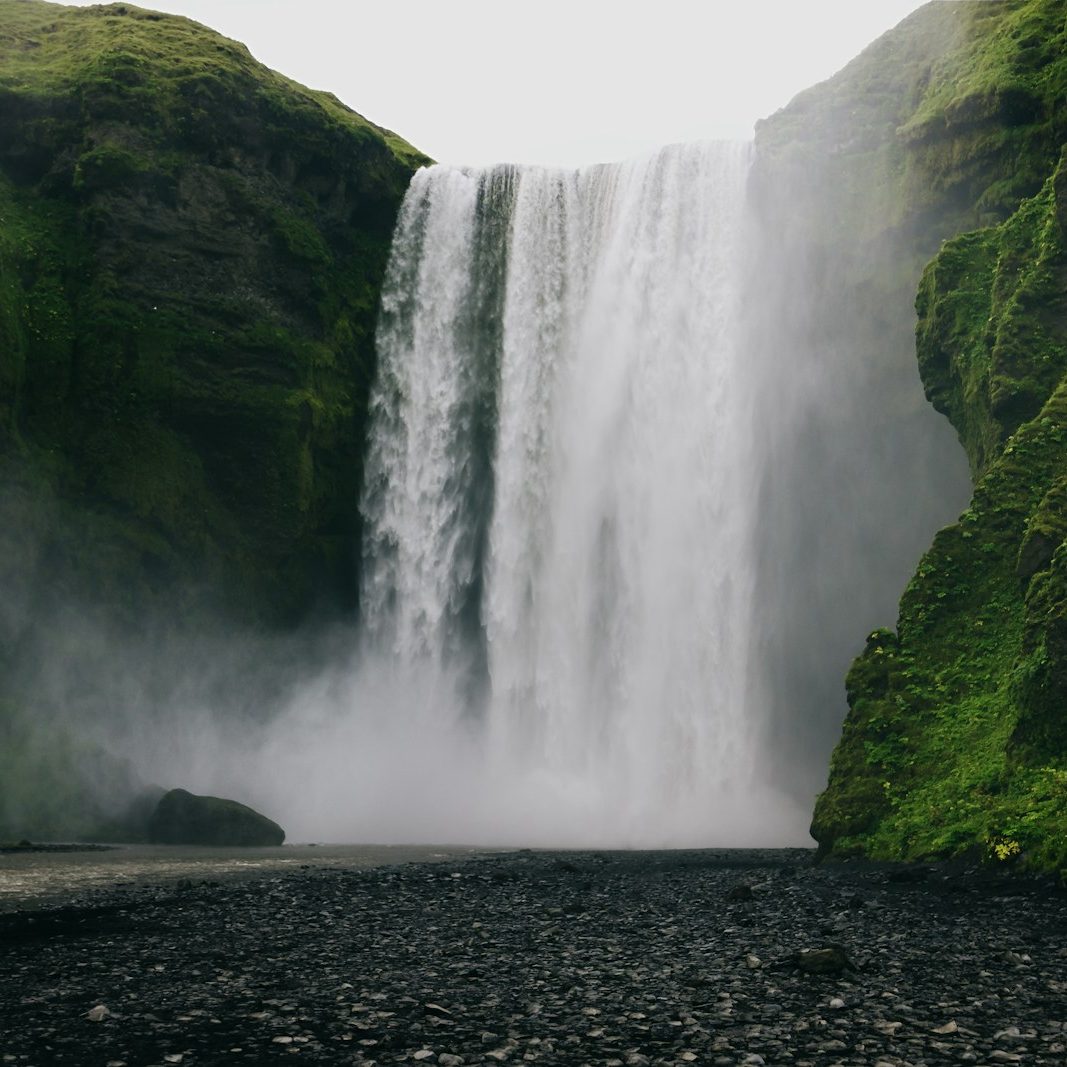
(577, 958)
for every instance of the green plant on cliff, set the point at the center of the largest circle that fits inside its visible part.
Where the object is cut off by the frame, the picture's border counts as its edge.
(976, 676)
(956, 736)
(950, 124)
(191, 251)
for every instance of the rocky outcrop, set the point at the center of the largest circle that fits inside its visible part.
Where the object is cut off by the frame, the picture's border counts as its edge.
(191, 250)
(956, 735)
(955, 739)
(181, 818)
(847, 221)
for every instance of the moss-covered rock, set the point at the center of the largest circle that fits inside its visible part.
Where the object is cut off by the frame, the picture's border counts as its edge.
(949, 127)
(191, 251)
(182, 818)
(975, 758)
(858, 181)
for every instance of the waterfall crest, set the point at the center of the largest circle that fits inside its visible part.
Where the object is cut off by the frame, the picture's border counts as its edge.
(559, 501)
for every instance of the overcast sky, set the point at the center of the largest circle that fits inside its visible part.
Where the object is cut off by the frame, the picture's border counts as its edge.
(553, 81)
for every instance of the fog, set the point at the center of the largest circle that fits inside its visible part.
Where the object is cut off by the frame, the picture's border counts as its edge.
(618, 557)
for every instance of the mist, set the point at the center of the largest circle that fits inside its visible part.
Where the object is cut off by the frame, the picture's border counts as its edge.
(332, 737)
(649, 456)
(615, 565)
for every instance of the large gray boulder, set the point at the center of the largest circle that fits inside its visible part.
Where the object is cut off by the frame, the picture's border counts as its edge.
(181, 818)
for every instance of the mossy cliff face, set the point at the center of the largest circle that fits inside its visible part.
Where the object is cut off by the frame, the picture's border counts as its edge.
(956, 736)
(191, 251)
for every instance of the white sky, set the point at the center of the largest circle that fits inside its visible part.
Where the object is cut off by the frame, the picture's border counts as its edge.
(552, 81)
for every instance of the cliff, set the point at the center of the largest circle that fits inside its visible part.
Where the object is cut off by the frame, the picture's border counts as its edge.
(191, 250)
(955, 740)
(191, 253)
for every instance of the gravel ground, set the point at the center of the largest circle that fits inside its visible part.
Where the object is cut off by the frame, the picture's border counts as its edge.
(553, 958)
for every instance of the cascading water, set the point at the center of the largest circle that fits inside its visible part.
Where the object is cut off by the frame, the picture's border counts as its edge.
(559, 500)
(649, 455)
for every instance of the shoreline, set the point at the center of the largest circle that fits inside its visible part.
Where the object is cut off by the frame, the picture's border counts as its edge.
(41, 875)
(66, 875)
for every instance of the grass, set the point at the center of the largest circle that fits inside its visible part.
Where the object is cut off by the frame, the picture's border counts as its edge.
(168, 67)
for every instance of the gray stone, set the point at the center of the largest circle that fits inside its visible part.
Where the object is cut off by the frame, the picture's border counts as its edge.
(182, 818)
(830, 960)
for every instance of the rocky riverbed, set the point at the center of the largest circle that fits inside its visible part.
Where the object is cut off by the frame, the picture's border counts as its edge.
(627, 959)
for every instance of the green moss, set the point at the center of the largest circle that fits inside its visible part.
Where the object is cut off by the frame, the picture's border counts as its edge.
(108, 165)
(964, 731)
(954, 740)
(301, 239)
(949, 126)
(171, 75)
(1009, 57)
(942, 125)
(57, 785)
(191, 251)
(990, 380)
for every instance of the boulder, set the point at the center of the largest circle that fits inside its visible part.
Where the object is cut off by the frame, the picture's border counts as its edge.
(832, 960)
(181, 818)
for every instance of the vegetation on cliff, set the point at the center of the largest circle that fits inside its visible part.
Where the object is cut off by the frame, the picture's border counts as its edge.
(191, 251)
(191, 254)
(956, 738)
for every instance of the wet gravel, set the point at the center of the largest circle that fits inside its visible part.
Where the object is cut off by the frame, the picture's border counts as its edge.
(716, 958)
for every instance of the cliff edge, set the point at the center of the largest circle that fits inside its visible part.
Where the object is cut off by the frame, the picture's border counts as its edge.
(955, 741)
(191, 252)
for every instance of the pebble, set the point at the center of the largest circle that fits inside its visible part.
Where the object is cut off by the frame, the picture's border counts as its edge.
(607, 959)
(831, 960)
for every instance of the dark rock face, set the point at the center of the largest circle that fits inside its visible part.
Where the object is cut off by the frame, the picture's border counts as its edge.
(191, 253)
(190, 265)
(955, 741)
(181, 818)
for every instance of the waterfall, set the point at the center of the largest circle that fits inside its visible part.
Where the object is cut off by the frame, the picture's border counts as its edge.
(559, 502)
